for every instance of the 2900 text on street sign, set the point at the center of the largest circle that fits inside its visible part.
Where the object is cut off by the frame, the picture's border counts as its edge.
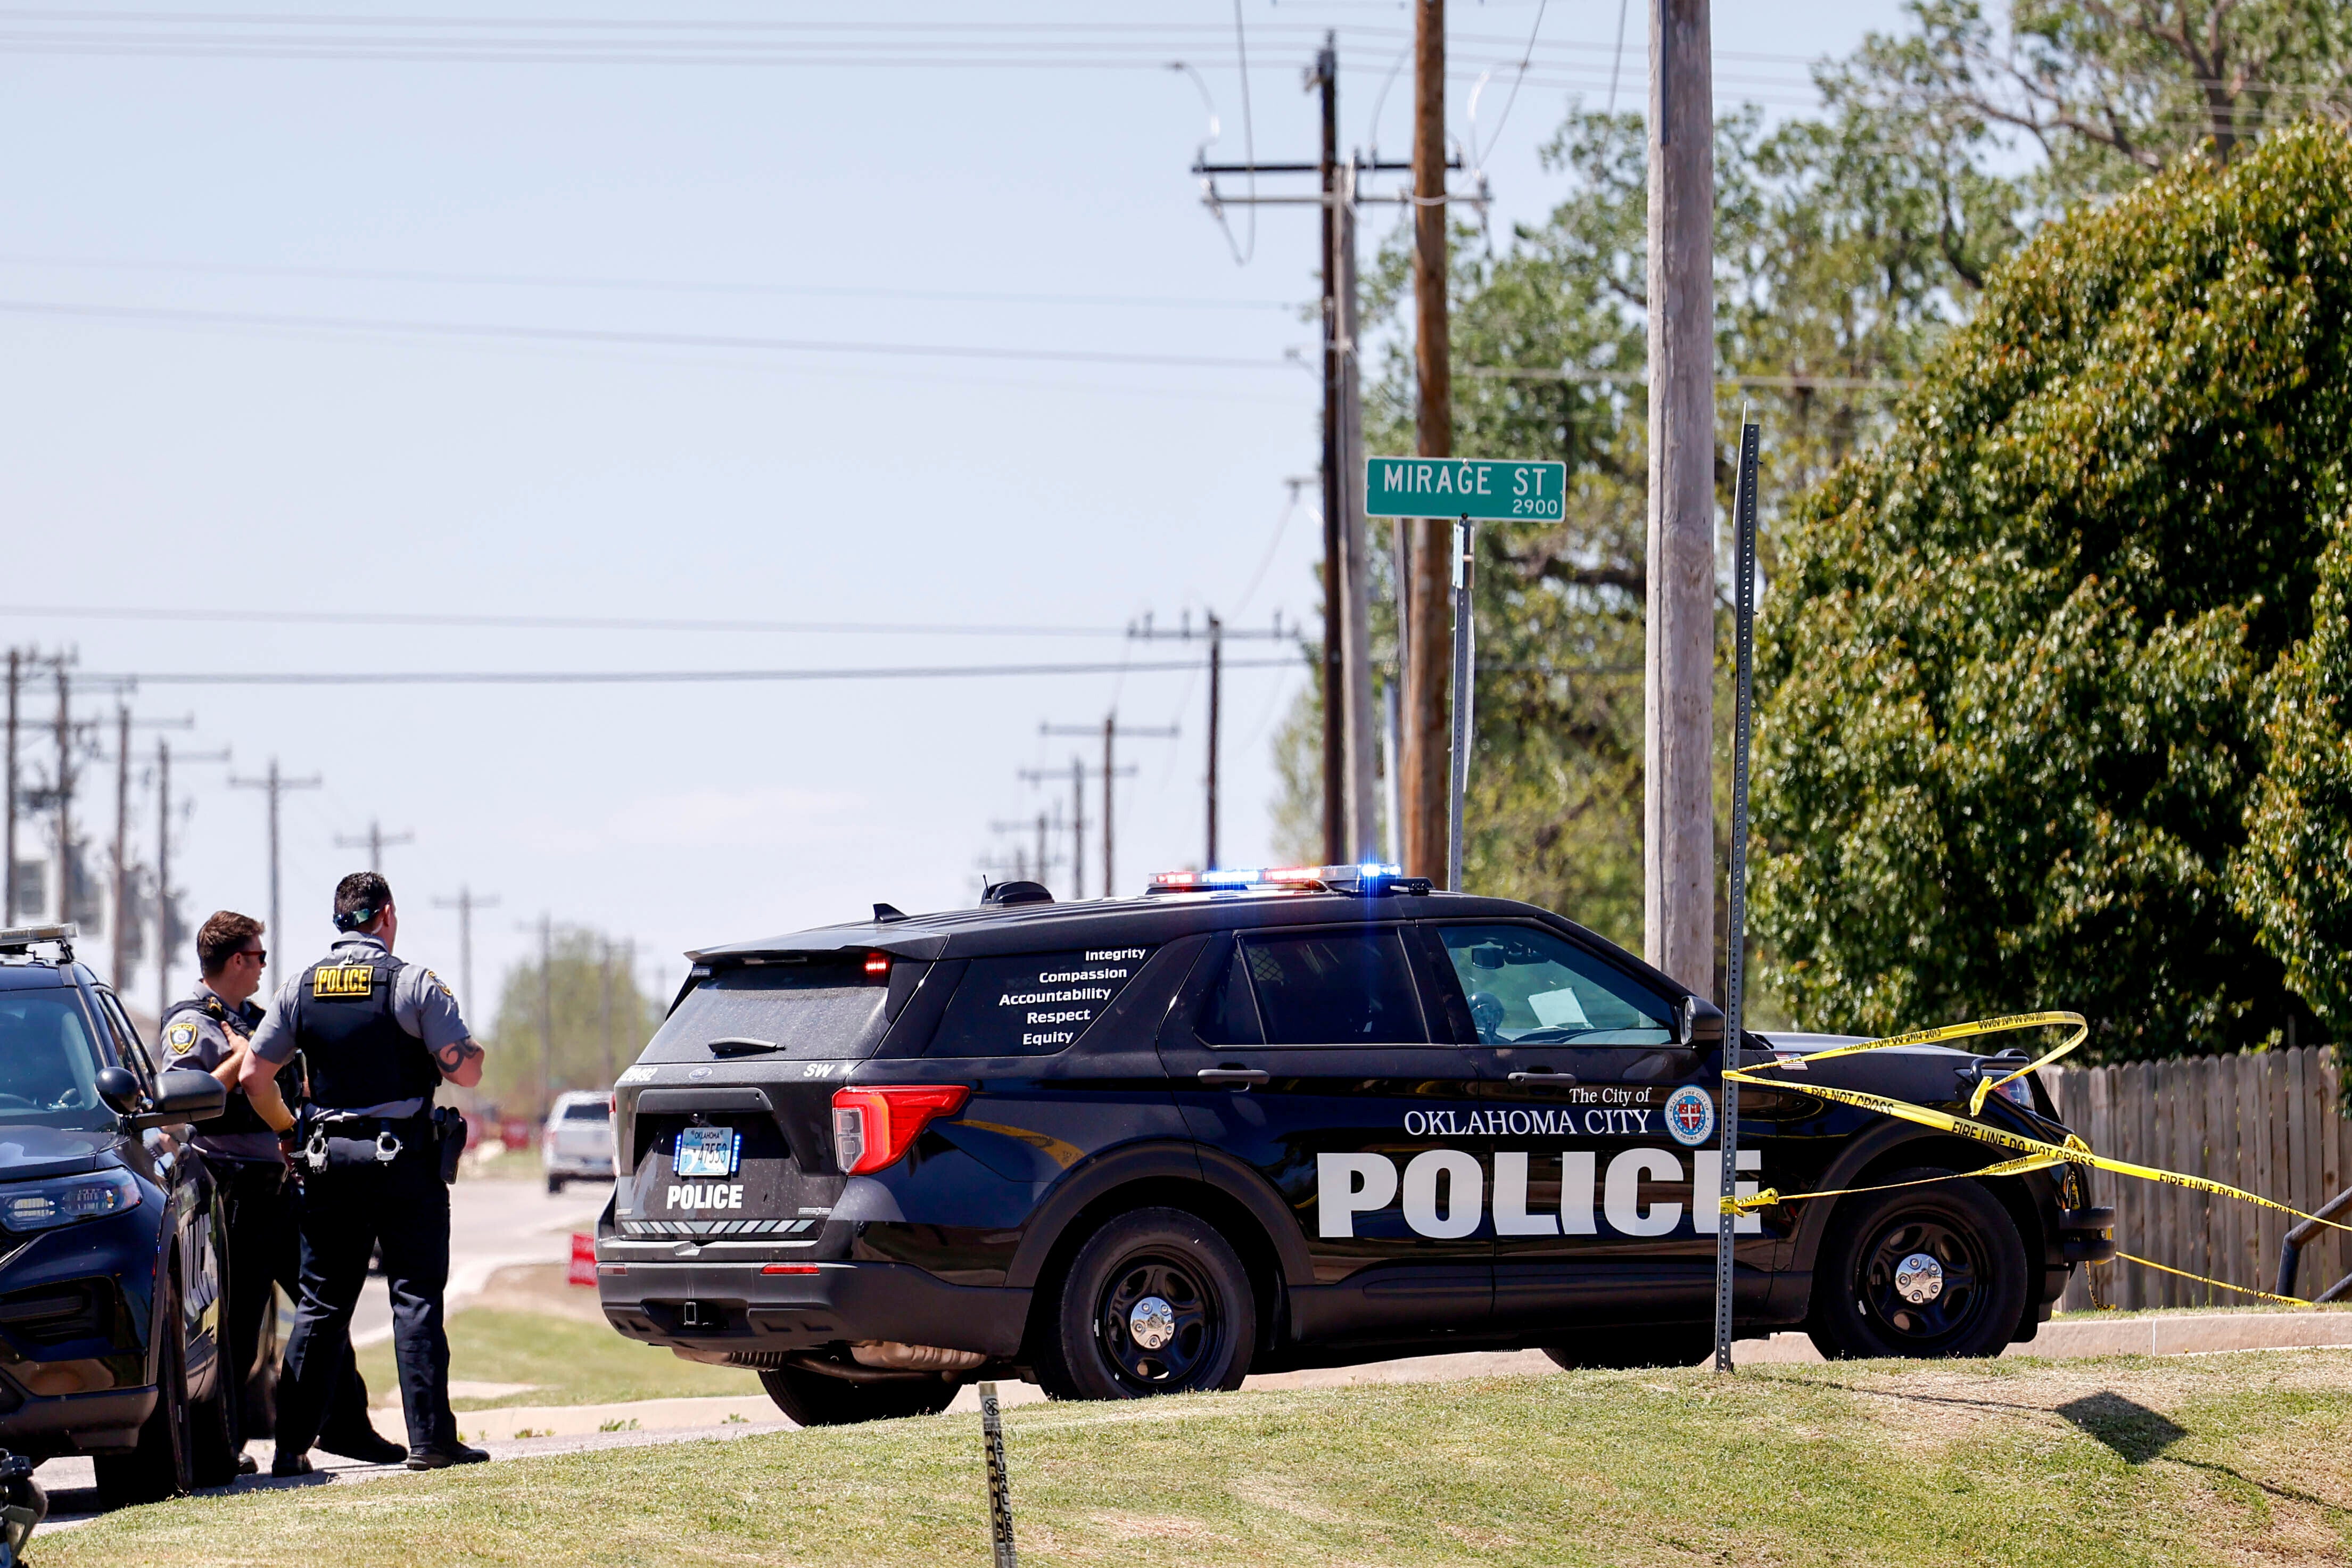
(1490, 490)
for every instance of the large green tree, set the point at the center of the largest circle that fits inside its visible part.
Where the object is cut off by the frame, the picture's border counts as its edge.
(2016, 657)
(591, 1010)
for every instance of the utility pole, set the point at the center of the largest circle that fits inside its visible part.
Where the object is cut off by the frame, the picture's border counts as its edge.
(1678, 741)
(64, 800)
(375, 842)
(120, 922)
(277, 784)
(1215, 631)
(164, 869)
(1080, 775)
(1363, 744)
(8, 855)
(546, 1014)
(604, 974)
(1325, 77)
(1425, 573)
(465, 903)
(1110, 734)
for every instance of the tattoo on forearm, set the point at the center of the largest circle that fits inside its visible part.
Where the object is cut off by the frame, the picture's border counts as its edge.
(456, 1055)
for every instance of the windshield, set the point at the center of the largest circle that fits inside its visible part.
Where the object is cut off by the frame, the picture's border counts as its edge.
(48, 1063)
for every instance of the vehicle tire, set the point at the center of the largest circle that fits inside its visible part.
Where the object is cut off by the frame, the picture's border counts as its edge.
(1156, 1301)
(1683, 1345)
(812, 1399)
(213, 1444)
(555, 1186)
(158, 1468)
(1925, 1272)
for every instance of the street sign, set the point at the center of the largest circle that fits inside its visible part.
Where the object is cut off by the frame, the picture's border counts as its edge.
(1487, 488)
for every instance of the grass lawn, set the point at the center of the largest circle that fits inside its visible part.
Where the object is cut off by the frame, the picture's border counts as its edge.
(2225, 1458)
(571, 1361)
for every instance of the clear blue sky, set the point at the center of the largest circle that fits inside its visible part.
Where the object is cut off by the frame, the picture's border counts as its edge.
(267, 170)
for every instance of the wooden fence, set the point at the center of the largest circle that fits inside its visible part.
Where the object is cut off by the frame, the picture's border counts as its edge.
(2268, 1123)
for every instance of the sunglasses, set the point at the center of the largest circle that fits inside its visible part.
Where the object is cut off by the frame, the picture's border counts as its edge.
(259, 955)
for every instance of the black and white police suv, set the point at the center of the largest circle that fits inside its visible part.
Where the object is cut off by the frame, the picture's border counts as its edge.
(1258, 1121)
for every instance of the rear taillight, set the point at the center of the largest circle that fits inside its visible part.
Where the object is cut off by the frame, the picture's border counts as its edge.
(873, 1127)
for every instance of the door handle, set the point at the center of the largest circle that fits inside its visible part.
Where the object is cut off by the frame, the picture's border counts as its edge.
(1562, 1079)
(1234, 1078)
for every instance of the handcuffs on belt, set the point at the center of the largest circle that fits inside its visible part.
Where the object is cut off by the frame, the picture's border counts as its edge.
(315, 1152)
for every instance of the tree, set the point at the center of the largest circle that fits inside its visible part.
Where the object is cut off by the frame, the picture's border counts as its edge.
(2295, 875)
(588, 968)
(2011, 716)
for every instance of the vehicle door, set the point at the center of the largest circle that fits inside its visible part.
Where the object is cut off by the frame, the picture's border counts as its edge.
(1604, 1153)
(1313, 1054)
(179, 1170)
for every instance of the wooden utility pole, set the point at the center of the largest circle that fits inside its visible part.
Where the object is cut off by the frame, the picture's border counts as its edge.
(65, 800)
(1678, 684)
(164, 879)
(119, 922)
(1110, 731)
(1427, 569)
(8, 855)
(1325, 76)
(375, 841)
(465, 903)
(1362, 742)
(277, 786)
(546, 1015)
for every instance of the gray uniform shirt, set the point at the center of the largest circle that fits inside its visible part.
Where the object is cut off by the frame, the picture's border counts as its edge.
(197, 1040)
(420, 1005)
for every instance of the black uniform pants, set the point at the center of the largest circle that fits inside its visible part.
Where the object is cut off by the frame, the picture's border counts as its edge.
(265, 1251)
(348, 1211)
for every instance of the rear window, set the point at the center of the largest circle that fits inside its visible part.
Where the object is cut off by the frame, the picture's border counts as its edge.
(824, 1009)
(588, 1111)
(1033, 1003)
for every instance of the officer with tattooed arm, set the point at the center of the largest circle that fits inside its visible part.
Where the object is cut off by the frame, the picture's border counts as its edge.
(209, 1031)
(379, 1036)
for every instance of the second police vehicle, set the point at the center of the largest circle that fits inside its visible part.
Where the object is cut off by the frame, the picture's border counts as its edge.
(1269, 1119)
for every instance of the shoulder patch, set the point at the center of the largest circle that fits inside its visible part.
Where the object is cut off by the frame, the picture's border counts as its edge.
(440, 985)
(181, 1039)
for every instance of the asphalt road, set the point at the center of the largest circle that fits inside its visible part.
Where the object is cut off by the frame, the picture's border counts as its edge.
(494, 1222)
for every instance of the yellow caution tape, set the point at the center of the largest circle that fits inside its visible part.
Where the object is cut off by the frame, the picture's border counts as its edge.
(2224, 1284)
(2034, 1153)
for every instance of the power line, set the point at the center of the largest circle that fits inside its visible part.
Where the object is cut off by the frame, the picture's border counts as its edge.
(551, 622)
(640, 285)
(635, 677)
(143, 314)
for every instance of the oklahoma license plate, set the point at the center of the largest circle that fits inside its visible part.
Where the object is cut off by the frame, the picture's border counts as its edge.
(707, 1152)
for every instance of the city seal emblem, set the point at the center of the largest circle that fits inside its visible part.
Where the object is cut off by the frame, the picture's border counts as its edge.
(1690, 1116)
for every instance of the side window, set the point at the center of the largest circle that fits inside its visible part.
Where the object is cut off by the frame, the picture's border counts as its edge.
(1033, 1003)
(1526, 985)
(1322, 988)
(127, 1042)
(1229, 1012)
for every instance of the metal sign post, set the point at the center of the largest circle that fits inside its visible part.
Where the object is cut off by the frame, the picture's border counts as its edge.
(1000, 1494)
(1466, 638)
(1743, 568)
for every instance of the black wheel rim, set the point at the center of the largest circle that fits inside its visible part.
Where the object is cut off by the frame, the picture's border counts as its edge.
(1177, 1301)
(1960, 1273)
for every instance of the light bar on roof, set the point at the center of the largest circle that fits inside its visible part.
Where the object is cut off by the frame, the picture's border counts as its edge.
(24, 936)
(1235, 877)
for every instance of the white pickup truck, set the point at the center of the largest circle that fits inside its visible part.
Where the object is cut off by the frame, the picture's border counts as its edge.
(577, 1143)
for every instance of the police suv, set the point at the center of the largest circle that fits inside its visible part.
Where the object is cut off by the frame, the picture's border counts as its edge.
(1265, 1119)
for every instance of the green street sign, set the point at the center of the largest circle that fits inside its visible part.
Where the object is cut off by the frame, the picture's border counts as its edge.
(1490, 490)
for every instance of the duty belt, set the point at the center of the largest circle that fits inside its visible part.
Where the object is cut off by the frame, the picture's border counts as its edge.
(323, 1127)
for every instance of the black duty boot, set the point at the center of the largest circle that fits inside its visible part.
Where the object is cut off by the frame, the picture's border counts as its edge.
(369, 1447)
(287, 1464)
(440, 1456)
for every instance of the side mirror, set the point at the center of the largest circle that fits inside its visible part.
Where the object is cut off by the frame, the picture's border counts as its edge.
(1685, 1020)
(183, 1094)
(119, 1088)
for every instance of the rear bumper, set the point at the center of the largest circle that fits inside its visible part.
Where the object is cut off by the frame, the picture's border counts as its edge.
(736, 1307)
(581, 1166)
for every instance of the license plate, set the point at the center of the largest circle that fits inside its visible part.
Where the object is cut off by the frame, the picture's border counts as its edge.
(707, 1152)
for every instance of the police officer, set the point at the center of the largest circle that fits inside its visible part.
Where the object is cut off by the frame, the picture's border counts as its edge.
(208, 1031)
(378, 1037)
